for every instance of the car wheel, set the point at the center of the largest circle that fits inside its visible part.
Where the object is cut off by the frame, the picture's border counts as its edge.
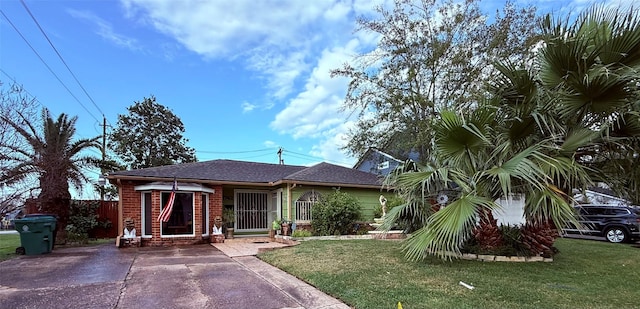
(616, 234)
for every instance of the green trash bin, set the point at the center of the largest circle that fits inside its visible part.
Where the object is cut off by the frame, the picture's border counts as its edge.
(36, 234)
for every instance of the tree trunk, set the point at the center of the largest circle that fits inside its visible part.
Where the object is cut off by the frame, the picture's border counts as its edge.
(538, 238)
(55, 199)
(487, 233)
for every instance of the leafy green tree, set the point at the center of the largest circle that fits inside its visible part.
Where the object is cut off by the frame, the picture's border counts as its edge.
(567, 121)
(51, 156)
(431, 56)
(150, 135)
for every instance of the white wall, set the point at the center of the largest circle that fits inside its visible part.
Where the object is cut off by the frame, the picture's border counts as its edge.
(511, 211)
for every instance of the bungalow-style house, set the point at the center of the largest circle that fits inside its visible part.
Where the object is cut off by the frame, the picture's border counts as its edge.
(257, 193)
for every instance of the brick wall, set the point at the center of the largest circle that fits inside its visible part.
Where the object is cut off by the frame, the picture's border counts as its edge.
(131, 204)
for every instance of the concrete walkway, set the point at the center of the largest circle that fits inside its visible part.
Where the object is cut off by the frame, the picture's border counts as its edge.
(173, 277)
(243, 251)
(247, 246)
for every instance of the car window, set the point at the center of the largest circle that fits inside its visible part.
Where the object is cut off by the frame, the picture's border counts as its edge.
(582, 211)
(594, 210)
(617, 211)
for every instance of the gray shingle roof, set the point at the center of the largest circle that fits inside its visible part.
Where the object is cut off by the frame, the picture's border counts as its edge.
(217, 170)
(329, 173)
(253, 172)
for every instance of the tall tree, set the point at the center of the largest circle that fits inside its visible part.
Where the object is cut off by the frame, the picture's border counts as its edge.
(562, 123)
(14, 99)
(51, 156)
(432, 55)
(150, 135)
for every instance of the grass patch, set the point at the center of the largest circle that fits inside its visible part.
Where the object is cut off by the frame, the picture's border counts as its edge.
(375, 274)
(9, 243)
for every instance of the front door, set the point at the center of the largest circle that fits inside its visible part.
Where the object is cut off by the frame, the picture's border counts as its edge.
(252, 210)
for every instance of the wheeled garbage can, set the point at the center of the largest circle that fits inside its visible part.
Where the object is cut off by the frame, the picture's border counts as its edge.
(36, 234)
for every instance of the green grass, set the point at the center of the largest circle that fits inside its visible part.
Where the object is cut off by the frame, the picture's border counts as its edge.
(9, 243)
(375, 274)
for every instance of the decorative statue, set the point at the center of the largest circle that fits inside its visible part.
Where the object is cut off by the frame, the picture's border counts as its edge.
(217, 236)
(383, 203)
(217, 225)
(129, 229)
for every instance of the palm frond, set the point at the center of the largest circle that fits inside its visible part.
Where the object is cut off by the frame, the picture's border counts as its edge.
(447, 229)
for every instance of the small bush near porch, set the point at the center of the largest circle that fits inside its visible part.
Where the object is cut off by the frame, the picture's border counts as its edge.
(335, 214)
(375, 274)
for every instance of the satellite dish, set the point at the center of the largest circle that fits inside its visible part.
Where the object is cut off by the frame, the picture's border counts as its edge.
(442, 199)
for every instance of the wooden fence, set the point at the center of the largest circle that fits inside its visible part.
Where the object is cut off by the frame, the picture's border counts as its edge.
(107, 217)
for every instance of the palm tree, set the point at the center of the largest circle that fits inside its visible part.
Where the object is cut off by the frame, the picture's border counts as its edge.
(570, 120)
(51, 156)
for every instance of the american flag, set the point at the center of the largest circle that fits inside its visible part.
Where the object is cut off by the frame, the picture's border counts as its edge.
(166, 211)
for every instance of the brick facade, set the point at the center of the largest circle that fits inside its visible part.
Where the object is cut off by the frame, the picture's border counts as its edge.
(131, 207)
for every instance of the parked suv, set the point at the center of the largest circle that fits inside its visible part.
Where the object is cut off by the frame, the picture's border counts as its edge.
(615, 223)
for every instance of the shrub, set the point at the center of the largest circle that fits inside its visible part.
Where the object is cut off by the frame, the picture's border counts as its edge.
(301, 233)
(335, 214)
(82, 218)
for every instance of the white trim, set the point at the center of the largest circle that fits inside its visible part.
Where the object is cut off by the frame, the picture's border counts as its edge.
(386, 155)
(142, 214)
(206, 227)
(168, 186)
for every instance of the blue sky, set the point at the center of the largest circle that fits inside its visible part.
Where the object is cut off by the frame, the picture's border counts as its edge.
(245, 77)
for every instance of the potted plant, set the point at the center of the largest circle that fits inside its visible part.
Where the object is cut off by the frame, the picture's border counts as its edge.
(228, 217)
(275, 228)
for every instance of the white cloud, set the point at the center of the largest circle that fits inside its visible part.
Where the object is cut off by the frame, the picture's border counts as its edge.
(285, 43)
(272, 37)
(332, 142)
(317, 108)
(270, 144)
(106, 31)
(247, 107)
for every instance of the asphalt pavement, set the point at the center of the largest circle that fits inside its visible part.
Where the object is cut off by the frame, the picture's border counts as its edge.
(172, 277)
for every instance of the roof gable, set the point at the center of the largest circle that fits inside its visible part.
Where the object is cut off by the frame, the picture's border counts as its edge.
(329, 173)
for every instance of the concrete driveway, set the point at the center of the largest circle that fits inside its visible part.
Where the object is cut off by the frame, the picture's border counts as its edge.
(174, 277)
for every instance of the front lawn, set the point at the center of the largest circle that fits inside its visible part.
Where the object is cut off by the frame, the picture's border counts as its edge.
(375, 274)
(8, 245)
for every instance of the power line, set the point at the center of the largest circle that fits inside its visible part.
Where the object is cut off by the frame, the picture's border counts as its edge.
(46, 65)
(21, 87)
(235, 152)
(307, 157)
(24, 4)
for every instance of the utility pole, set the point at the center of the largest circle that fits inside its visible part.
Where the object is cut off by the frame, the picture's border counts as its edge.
(280, 161)
(104, 157)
